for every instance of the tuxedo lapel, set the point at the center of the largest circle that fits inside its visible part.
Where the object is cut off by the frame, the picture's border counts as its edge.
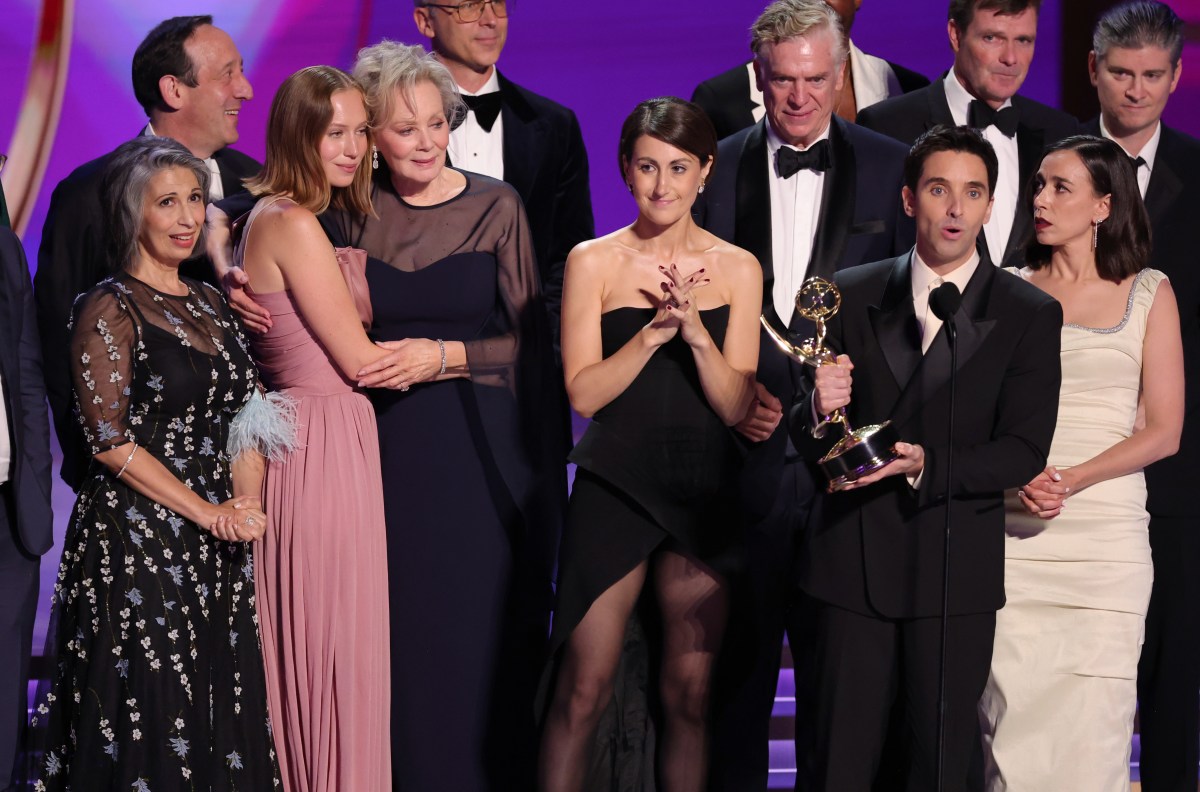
(837, 205)
(522, 141)
(933, 371)
(1030, 142)
(895, 323)
(752, 199)
(1165, 185)
(939, 108)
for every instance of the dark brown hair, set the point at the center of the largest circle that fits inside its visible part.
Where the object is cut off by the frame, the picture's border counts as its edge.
(161, 53)
(300, 116)
(1123, 240)
(672, 120)
(961, 12)
(961, 139)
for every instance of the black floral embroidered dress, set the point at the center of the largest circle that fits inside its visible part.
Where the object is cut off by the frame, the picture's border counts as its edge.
(157, 682)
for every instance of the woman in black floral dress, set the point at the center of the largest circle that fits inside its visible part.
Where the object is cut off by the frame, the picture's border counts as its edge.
(157, 682)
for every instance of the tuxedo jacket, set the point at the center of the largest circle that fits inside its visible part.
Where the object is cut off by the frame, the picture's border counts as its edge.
(861, 219)
(547, 164)
(74, 257)
(24, 399)
(1176, 245)
(727, 100)
(907, 117)
(878, 550)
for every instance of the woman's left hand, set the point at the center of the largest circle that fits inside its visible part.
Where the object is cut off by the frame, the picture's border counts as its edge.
(412, 360)
(1044, 496)
(681, 305)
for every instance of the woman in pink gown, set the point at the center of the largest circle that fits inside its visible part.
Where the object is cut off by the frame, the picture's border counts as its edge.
(321, 570)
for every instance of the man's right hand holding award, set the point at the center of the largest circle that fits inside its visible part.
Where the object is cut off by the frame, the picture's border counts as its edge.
(831, 392)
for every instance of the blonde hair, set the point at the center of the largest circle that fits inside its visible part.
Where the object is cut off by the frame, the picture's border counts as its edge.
(390, 68)
(784, 20)
(300, 116)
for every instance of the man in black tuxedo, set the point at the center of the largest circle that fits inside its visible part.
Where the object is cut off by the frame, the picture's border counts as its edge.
(733, 100)
(1135, 66)
(872, 562)
(807, 194)
(993, 42)
(513, 134)
(187, 76)
(26, 525)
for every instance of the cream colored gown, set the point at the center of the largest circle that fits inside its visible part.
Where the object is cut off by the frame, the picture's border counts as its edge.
(1057, 712)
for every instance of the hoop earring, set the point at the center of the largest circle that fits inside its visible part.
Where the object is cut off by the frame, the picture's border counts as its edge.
(1095, 234)
(374, 158)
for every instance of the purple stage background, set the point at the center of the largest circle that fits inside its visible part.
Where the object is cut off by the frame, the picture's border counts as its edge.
(598, 58)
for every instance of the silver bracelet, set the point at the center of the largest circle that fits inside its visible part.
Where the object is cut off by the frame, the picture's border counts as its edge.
(128, 459)
(442, 349)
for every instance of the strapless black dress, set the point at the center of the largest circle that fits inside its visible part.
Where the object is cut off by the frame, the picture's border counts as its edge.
(657, 468)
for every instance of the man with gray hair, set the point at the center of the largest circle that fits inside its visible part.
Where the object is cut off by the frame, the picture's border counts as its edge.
(1135, 66)
(808, 194)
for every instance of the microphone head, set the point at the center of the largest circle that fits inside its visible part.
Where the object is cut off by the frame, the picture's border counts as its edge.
(944, 301)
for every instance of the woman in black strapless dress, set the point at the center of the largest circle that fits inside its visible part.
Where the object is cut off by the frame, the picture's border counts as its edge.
(660, 342)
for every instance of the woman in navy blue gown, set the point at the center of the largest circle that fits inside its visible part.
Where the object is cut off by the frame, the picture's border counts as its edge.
(473, 473)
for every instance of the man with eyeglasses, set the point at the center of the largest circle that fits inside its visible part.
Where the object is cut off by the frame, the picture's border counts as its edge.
(513, 134)
(187, 76)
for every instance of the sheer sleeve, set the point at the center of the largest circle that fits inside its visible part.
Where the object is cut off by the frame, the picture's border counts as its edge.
(494, 357)
(104, 337)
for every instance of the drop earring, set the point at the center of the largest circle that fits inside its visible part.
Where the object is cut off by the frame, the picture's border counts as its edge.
(1095, 234)
(630, 186)
(701, 187)
(374, 158)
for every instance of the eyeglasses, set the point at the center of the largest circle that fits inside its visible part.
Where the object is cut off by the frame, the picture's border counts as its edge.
(471, 10)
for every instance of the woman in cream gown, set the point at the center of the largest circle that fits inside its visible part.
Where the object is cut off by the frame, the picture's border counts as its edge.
(1057, 713)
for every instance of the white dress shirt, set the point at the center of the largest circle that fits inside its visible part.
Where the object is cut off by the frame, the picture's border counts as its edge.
(216, 190)
(1148, 153)
(474, 149)
(1008, 181)
(5, 440)
(795, 210)
(924, 281)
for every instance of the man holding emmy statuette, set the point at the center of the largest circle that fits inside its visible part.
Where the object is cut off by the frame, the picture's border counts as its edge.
(876, 593)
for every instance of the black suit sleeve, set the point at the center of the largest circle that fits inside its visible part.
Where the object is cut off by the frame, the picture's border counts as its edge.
(71, 260)
(575, 222)
(33, 434)
(1026, 412)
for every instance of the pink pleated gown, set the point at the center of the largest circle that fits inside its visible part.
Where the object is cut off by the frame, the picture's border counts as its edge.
(321, 568)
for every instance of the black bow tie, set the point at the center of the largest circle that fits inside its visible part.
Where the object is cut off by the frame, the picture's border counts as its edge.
(486, 108)
(788, 161)
(980, 115)
(1137, 163)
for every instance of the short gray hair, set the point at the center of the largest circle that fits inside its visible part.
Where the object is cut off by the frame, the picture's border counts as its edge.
(124, 184)
(784, 20)
(1138, 24)
(389, 67)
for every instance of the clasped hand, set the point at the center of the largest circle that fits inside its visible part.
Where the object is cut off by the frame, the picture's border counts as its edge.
(239, 520)
(677, 312)
(1044, 496)
(412, 360)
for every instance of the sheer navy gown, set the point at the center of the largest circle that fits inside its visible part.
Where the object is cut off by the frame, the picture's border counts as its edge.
(473, 484)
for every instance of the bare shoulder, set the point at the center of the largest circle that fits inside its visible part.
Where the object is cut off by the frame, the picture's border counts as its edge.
(593, 254)
(735, 262)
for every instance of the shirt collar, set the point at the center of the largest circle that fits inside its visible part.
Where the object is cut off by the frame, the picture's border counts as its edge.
(1148, 152)
(923, 276)
(491, 86)
(959, 98)
(774, 142)
(870, 75)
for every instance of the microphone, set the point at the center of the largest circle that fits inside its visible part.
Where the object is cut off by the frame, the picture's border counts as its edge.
(945, 301)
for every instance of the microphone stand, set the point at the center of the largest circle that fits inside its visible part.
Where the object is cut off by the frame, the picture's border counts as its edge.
(952, 335)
